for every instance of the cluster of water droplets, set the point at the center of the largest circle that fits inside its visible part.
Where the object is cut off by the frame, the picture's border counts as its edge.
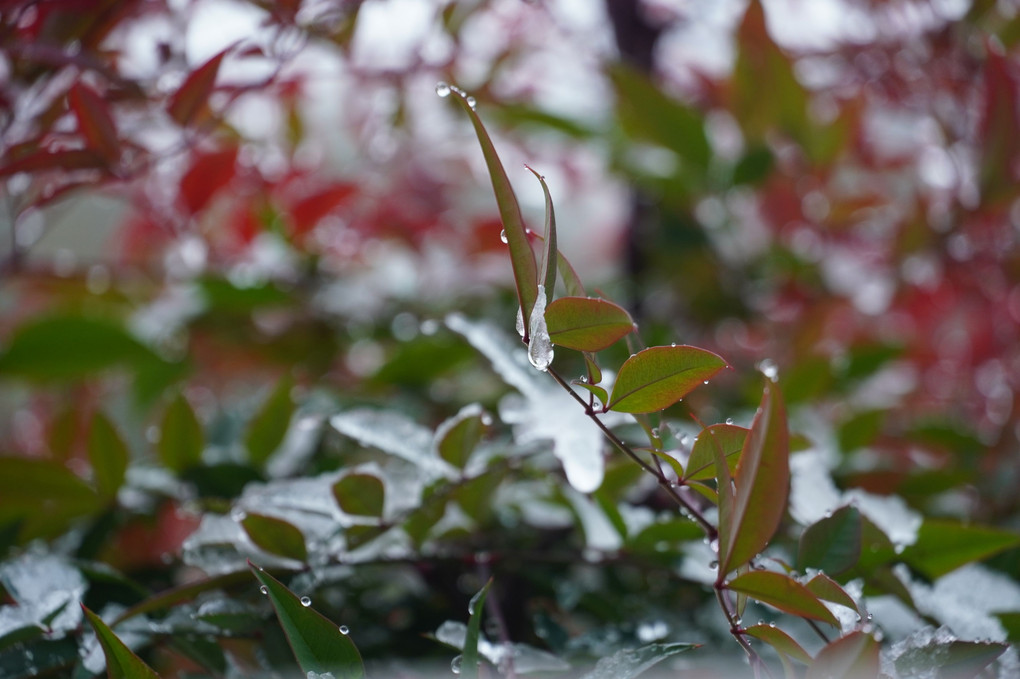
(444, 89)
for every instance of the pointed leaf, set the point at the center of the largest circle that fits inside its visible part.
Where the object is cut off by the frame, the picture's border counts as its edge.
(275, 536)
(63, 160)
(632, 662)
(318, 644)
(779, 640)
(601, 395)
(476, 609)
(547, 268)
(269, 426)
(832, 544)
(586, 324)
(762, 482)
(521, 256)
(826, 588)
(855, 656)
(782, 592)
(678, 468)
(729, 437)
(457, 437)
(943, 546)
(121, 661)
(108, 455)
(656, 378)
(192, 95)
(94, 120)
(360, 494)
(181, 440)
(209, 174)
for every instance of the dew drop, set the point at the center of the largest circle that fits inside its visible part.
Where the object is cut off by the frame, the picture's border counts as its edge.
(344, 630)
(486, 419)
(706, 382)
(503, 237)
(306, 602)
(442, 89)
(714, 564)
(456, 663)
(471, 102)
(729, 420)
(673, 344)
(263, 589)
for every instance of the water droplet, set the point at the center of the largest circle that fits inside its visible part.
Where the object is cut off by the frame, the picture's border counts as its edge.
(761, 621)
(683, 439)
(673, 344)
(706, 382)
(583, 379)
(306, 602)
(769, 368)
(263, 589)
(772, 624)
(503, 236)
(486, 419)
(713, 564)
(471, 102)
(729, 420)
(344, 630)
(456, 663)
(442, 89)
(474, 602)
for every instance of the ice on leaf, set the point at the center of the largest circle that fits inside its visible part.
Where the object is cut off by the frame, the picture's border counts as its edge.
(540, 348)
(394, 434)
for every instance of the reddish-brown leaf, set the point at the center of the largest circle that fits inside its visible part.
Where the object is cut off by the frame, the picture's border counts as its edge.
(855, 656)
(209, 172)
(307, 212)
(782, 592)
(94, 120)
(43, 159)
(193, 94)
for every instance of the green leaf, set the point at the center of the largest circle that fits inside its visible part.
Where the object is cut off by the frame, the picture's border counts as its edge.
(656, 378)
(45, 494)
(1011, 623)
(854, 656)
(782, 592)
(547, 268)
(476, 609)
(586, 324)
(318, 644)
(121, 662)
(521, 255)
(728, 437)
(181, 440)
(600, 394)
(360, 494)
(275, 536)
(71, 347)
(457, 437)
(779, 640)
(269, 427)
(828, 589)
(943, 546)
(832, 544)
(108, 455)
(678, 468)
(632, 662)
(762, 481)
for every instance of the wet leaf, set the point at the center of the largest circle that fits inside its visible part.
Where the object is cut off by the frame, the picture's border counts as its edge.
(854, 656)
(94, 120)
(269, 426)
(521, 255)
(318, 644)
(728, 437)
(782, 592)
(360, 494)
(600, 394)
(547, 267)
(586, 324)
(457, 437)
(656, 378)
(631, 662)
(943, 546)
(779, 640)
(181, 440)
(674, 463)
(275, 536)
(71, 347)
(948, 659)
(828, 589)
(121, 661)
(108, 455)
(762, 482)
(832, 544)
(193, 94)
(476, 611)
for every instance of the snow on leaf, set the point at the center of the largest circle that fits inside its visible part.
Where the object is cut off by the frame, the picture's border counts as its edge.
(391, 433)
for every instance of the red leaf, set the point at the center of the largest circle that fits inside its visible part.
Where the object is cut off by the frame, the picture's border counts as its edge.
(307, 212)
(208, 174)
(194, 92)
(1000, 148)
(94, 120)
(43, 159)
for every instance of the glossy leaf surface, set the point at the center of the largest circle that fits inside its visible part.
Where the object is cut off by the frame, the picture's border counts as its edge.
(779, 640)
(727, 437)
(586, 324)
(121, 661)
(275, 536)
(943, 546)
(828, 589)
(656, 378)
(782, 592)
(318, 644)
(854, 656)
(832, 544)
(762, 481)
